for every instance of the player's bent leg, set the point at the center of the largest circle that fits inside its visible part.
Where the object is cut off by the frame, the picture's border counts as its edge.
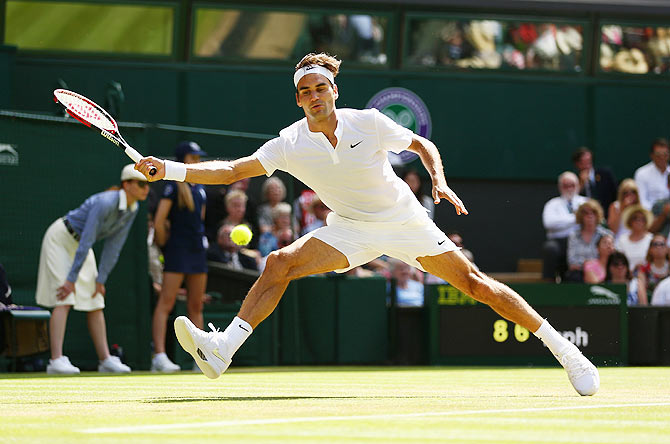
(213, 351)
(304, 257)
(454, 268)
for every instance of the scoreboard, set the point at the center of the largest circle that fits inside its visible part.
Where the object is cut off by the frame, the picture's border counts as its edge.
(463, 331)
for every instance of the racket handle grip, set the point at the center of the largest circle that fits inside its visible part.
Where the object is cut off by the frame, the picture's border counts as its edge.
(133, 154)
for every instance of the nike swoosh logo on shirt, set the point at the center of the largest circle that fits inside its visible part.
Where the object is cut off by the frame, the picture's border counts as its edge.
(440, 243)
(355, 144)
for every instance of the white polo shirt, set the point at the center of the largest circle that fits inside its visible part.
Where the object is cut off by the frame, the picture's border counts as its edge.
(355, 179)
(652, 184)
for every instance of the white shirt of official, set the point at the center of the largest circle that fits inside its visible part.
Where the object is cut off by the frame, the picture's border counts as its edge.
(652, 184)
(354, 179)
(557, 218)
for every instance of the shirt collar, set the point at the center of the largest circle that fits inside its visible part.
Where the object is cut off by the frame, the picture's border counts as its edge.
(319, 134)
(123, 202)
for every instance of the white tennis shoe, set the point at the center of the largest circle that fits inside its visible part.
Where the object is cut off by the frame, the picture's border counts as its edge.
(61, 366)
(207, 348)
(113, 365)
(582, 373)
(161, 363)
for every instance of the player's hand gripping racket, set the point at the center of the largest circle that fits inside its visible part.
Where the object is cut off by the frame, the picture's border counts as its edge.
(93, 116)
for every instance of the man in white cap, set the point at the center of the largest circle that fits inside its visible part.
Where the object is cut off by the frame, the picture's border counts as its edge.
(68, 276)
(341, 154)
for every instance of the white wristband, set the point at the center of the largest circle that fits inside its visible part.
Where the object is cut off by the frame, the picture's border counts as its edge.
(174, 171)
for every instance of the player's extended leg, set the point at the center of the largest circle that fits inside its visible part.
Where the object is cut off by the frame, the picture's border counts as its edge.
(213, 351)
(454, 268)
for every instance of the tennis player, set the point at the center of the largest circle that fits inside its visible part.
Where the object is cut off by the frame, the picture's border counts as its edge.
(342, 155)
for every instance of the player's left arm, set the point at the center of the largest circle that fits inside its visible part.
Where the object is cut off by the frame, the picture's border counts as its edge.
(430, 157)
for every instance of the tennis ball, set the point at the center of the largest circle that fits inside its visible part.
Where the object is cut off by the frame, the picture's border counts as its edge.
(241, 235)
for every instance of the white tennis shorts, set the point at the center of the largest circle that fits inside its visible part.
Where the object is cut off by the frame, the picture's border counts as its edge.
(56, 257)
(362, 242)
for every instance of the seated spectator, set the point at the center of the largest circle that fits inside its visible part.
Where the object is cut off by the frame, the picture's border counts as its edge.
(236, 209)
(226, 251)
(661, 212)
(302, 217)
(595, 270)
(413, 179)
(652, 178)
(559, 220)
(280, 230)
(655, 269)
(635, 244)
(628, 195)
(273, 191)
(409, 293)
(582, 243)
(618, 272)
(596, 183)
(320, 212)
(661, 295)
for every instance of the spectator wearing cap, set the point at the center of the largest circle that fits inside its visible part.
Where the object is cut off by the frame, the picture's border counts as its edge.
(180, 232)
(636, 243)
(652, 178)
(68, 276)
(595, 183)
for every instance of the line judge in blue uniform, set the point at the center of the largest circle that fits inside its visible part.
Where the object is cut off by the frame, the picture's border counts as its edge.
(180, 232)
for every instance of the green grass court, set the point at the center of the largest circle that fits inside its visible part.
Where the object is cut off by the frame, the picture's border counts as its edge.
(338, 405)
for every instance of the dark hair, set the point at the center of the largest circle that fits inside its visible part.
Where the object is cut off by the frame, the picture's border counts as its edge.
(579, 152)
(659, 141)
(619, 257)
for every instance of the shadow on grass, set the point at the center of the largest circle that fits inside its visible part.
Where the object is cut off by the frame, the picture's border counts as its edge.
(330, 398)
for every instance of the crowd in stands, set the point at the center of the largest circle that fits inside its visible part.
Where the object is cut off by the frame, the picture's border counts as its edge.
(630, 245)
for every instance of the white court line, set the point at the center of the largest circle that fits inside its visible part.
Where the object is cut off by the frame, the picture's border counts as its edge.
(159, 428)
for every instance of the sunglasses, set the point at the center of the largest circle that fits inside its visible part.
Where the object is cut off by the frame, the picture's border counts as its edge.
(142, 184)
(658, 244)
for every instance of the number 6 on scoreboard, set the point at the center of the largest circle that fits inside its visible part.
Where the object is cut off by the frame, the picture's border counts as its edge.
(95, 117)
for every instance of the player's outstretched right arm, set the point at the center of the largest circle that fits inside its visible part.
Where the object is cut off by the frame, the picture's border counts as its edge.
(207, 173)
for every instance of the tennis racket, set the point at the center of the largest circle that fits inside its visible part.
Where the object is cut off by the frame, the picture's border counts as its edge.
(95, 117)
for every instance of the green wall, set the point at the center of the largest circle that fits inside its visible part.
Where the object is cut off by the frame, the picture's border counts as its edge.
(488, 126)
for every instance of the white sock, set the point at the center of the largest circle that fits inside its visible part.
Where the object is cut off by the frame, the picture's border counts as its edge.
(552, 339)
(237, 332)
(157, 355)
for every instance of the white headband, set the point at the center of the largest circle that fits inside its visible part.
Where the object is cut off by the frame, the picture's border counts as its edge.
(312, 69)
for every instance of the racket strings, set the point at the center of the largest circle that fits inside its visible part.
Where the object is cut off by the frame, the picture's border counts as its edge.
(86, 112)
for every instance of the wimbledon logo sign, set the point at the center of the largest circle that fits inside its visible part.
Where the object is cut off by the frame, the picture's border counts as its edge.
(406, 109)
(8, 155)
